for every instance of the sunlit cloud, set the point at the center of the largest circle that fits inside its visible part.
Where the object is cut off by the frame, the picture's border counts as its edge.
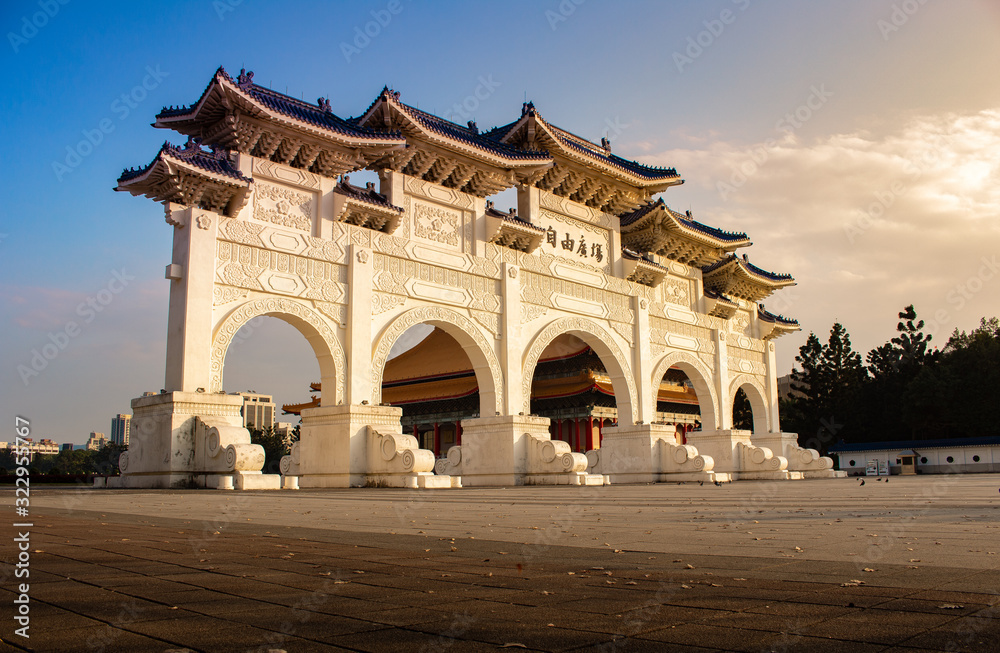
(866, 223)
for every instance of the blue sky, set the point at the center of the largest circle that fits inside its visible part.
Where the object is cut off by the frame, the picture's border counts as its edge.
(866, 132)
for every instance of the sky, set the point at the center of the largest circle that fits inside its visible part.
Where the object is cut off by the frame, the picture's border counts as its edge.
(855, 142)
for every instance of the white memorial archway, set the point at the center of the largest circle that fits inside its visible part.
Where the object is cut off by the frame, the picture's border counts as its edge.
(266, 222)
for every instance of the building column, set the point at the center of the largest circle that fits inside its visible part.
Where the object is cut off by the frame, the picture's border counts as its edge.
(437, 439)
(590, 433)
(359, 325)
(773, 422)
(642, 363)
(458, 433)
(192, 280)
(511, 346)
(724, 411)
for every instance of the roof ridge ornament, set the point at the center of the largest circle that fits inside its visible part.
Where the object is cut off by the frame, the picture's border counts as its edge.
(473, 127)
(324, 105)
(245, 80)
(606, 144)
(526, 108)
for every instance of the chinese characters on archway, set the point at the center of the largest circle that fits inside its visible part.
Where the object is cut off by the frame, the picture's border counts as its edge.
(579, 247)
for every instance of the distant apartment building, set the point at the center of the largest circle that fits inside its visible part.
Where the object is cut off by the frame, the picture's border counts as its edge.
(97, 441)
(44, 447)
(785, 390)
(258, 410)
(120, 428)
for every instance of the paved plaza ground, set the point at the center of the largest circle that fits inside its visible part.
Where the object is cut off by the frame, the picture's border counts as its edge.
(821, 565)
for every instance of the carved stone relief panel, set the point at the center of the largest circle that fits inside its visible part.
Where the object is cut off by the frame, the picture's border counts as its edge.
(676, 291)
(548, 291)
(255, 268)
(286, 174)
(571, 209)
(411, 278)
(284, 205)
(436, 223)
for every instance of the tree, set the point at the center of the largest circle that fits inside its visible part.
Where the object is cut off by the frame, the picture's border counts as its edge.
(274, 445)
(911, 342)
(829, 384)
(958, 394)
(742, 411)
(894, 366)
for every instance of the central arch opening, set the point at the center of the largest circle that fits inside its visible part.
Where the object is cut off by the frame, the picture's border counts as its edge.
(571, 386)
(579, 378)
(431, 378)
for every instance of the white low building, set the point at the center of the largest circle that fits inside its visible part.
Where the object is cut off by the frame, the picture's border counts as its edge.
(943, 456)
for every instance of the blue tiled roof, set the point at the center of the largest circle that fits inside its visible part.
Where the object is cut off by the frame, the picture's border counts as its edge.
(842, 447)
(586, 147)
(768, 316)
(711, 294)
(636, 256)
(510, 217)
(446, 128)
(314, 114)
(749, 266)
(216, 161)
(369, 195)
(636, 168)
(719, 234)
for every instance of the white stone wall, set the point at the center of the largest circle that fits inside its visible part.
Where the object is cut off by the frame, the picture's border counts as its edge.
(353, 291)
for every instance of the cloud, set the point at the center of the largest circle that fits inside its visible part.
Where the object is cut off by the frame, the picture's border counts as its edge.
(866, 223)
(37, 307)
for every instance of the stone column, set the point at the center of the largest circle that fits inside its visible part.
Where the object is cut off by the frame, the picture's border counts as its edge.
(391, 185)
(642, 362)
(724, 413)
(359, 325)
(528, 202)
(510, 339)
(774, 424)
(192, 280)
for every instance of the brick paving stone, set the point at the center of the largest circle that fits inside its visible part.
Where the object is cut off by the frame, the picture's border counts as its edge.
(125, 558)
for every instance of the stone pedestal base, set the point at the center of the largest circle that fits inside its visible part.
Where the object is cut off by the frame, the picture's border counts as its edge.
(806, 461)
(359, 445)
(770, 456)
(514, 450)
(332, 448)
(649, 453)
(191, 439)
(627, 452)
